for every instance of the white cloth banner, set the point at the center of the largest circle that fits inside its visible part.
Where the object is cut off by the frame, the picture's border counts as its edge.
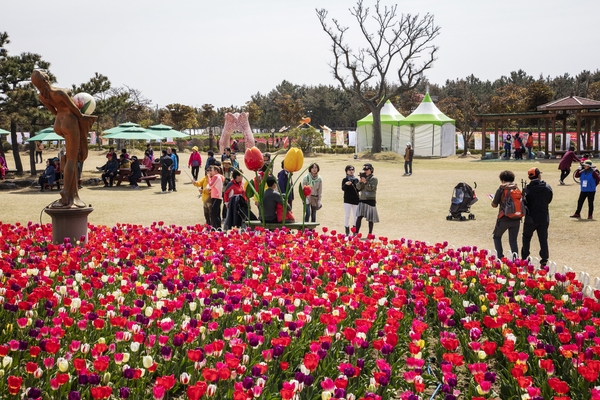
(339, 138)
(327, 137)
(351, 138)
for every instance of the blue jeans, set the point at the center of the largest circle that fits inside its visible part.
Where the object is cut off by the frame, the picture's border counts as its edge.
(311, 213)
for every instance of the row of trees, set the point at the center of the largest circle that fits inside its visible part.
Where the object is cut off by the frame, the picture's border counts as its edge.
(336, 106)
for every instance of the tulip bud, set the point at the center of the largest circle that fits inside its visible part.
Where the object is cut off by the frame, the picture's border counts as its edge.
(63, 364)
(253, 159)
(38, 373)
(134, 346)
(293, 161)
(184, 378)
(7, 362)
(212, 389)
(147, 361)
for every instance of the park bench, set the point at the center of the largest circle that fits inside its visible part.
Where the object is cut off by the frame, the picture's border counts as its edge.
(51, 185)
(290, 225)
(123, 174)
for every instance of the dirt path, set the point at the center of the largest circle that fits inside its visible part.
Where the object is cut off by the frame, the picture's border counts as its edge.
(412, 207)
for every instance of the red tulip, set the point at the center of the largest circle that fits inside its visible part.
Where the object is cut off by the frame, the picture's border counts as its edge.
(311, 361)
(253, 159)
(307, 190)
(14, 384)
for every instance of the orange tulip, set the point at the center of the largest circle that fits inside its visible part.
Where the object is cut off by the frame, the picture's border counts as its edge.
(294, 159)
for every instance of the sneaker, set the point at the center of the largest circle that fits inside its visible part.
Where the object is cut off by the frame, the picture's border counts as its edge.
(575, 216)
(590, 216)
(106, 185)
(164, 191)
(405, 174)
(174, 190)
(410, 174)
(561, 182)
(136, 187)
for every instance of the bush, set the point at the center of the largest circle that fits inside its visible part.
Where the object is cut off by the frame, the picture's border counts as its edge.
(6, 147)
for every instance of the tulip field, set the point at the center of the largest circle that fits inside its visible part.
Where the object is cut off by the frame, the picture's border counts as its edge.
(170, 312)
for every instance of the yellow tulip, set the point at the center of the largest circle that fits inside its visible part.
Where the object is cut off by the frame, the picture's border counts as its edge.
(294, 159)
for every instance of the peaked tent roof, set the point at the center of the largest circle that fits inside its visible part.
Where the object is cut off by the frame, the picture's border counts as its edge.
(427, 113)
(389, 116)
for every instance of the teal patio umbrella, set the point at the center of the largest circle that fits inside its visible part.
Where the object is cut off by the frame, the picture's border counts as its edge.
(3, 132)
(45, 134)
(123, 126)
(134, 133)
(165, 131)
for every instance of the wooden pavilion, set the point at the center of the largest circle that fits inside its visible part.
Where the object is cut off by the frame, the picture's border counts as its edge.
(585, 111)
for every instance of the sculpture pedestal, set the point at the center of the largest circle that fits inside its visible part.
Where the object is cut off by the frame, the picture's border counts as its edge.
(69, 223)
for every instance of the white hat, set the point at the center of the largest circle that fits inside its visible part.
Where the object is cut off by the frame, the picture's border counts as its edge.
(408, 144)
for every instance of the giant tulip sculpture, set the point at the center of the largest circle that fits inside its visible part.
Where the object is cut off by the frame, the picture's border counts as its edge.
(292, 162)
(253, 159)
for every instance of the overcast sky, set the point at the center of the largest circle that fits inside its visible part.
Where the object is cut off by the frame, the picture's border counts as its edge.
(222, 52)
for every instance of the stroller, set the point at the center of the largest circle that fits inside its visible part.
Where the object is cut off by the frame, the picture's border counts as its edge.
(463, 197)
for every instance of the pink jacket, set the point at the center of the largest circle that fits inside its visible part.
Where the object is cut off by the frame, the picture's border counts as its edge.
(195, 156)
(216, 187)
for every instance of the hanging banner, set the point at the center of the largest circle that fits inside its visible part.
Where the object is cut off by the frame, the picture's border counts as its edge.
(339, 138)
(351, 138)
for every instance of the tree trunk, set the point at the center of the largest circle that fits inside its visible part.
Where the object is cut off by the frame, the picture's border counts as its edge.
(32, 157)
(15, 147)
(376, 130)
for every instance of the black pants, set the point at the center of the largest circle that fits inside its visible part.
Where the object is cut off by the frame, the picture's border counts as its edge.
(502, 225)
(408, 167)
(542, 233)
(110, 177)
(133, 179)
(165, 178)
(564, 173)
(215, 213)
(172, 183)
(38, 154)
(590, 198)
(195, 172)
(42, 181)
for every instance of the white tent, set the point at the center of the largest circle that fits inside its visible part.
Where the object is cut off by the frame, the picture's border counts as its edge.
(390, 117)
(431, 133)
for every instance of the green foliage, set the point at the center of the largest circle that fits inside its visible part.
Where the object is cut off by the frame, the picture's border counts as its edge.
(183, 117)
(306, 138)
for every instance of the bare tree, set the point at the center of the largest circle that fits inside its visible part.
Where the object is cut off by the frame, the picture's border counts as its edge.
(395, 46)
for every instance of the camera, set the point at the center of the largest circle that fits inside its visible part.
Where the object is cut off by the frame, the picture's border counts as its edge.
(362, 175)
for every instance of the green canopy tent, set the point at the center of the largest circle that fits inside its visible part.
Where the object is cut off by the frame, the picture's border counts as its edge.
(390, 119)
(134, 133)
(431, 133)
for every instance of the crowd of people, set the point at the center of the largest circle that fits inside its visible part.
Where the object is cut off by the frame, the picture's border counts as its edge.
(517, 146)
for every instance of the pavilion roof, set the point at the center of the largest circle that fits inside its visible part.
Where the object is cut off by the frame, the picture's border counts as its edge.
(570, 103)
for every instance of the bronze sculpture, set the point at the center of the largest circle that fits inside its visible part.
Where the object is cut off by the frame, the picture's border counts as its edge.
(71, 124)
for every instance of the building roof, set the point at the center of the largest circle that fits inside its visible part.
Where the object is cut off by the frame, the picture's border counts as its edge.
(570, 103)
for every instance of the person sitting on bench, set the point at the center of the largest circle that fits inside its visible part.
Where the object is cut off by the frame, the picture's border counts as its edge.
(271, 198)
(48, 177)
(136, 173)
(110, 170)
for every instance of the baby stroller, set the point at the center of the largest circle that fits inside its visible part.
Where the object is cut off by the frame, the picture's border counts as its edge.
(463, 197)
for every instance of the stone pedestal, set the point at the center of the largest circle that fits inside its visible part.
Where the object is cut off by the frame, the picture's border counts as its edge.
(69, 223)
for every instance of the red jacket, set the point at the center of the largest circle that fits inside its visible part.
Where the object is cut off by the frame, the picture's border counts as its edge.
(233, 189)
(567, 160)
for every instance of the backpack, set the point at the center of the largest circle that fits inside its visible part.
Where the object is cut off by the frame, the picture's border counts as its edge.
(514, 206)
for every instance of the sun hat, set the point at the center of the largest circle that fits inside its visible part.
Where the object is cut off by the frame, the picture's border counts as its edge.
(195, 148)
(589, 163)
(533, 173)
